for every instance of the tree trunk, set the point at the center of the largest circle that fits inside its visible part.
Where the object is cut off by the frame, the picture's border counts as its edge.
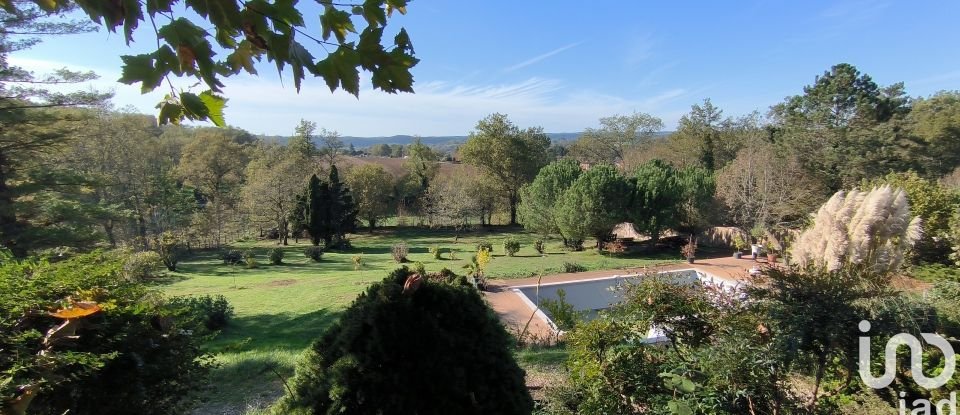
(108, 229)
(514, 199)
(821, 368)
(10, 228)
(372, 223)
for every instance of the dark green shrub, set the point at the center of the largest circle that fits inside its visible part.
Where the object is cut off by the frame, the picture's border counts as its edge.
(250, 259)
(436, 251)
(313, 252)
(134, 357)
(141, 266)
(435, 350)
(232, 257)
(485, 245)
(511, 246)
(276, 256)
(573, 267)
(400, 252)
(214, 313)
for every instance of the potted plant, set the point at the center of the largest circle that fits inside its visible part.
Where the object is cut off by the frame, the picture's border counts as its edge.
(758, 232)
(771, 252)
(739, 244)
(689, 250)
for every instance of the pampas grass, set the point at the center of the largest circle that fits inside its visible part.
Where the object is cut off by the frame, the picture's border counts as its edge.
(872, 229)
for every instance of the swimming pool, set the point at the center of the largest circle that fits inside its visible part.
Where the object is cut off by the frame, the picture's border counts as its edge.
(590, 296)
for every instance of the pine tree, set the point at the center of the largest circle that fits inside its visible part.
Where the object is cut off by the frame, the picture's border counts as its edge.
(298, 218)
(318, 209)
(343, 211)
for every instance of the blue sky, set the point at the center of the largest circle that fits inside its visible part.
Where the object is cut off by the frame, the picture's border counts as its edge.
(564, 64)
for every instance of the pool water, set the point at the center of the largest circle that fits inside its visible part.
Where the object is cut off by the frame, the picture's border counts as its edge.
(592, 296)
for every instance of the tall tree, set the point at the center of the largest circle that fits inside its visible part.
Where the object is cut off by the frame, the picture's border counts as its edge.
(845, 127)
(616, 135)
(538, 200)
(593, 205)
(372, 187)
(318, 211)
(274, 177)
(935, 121)
(331, 146)
(303, 139)
(703, 126)
(510, 156)
(213, 164)
(657, 198)
(422, 162)
(343, 210)
(30, 124)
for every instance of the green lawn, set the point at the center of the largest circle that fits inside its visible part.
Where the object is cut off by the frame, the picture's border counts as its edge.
(281, 309)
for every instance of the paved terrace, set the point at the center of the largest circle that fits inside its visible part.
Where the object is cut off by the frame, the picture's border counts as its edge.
(515, 313)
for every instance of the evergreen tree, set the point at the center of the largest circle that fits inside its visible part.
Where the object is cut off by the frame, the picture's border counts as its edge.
(318, 211)
(343, 211)
(298, 217)
(405, 347)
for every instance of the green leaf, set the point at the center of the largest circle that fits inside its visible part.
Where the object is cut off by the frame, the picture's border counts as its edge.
(132, 14)
(337, 22)
(141, 68)
(223, 14)
(687, 386)
(357, 10)
(243, 56)
(340, 69)
(299, 59)
(193, 107)
(679, 408)
(214, 104)
(374, 14)
(402, 41)
(192, 46)
(171, 112)
(159, 6)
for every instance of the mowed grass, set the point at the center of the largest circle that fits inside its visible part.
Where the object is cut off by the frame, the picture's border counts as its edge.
(281, 309)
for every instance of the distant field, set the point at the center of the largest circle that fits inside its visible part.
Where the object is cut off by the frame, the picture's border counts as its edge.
(281, 309)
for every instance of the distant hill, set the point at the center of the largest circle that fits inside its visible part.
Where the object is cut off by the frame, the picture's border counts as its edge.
(440, 141)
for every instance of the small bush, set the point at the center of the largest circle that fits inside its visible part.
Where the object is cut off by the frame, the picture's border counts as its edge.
(357, 262)
(214, 313)
(418, 268)
(142, 266)
(511, 246)
(232, 257)
(436, 252)
(400, 252)
(538, 245)
(573, 267)
(170, 249)
(250, 259)
(615, 247)
(484, 245)
(276, 256)
(313, 252)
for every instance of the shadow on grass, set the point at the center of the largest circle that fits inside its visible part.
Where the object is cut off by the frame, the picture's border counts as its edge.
(268, 332)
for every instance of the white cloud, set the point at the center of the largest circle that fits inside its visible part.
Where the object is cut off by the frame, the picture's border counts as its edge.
(262, 105)
(539, 58)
